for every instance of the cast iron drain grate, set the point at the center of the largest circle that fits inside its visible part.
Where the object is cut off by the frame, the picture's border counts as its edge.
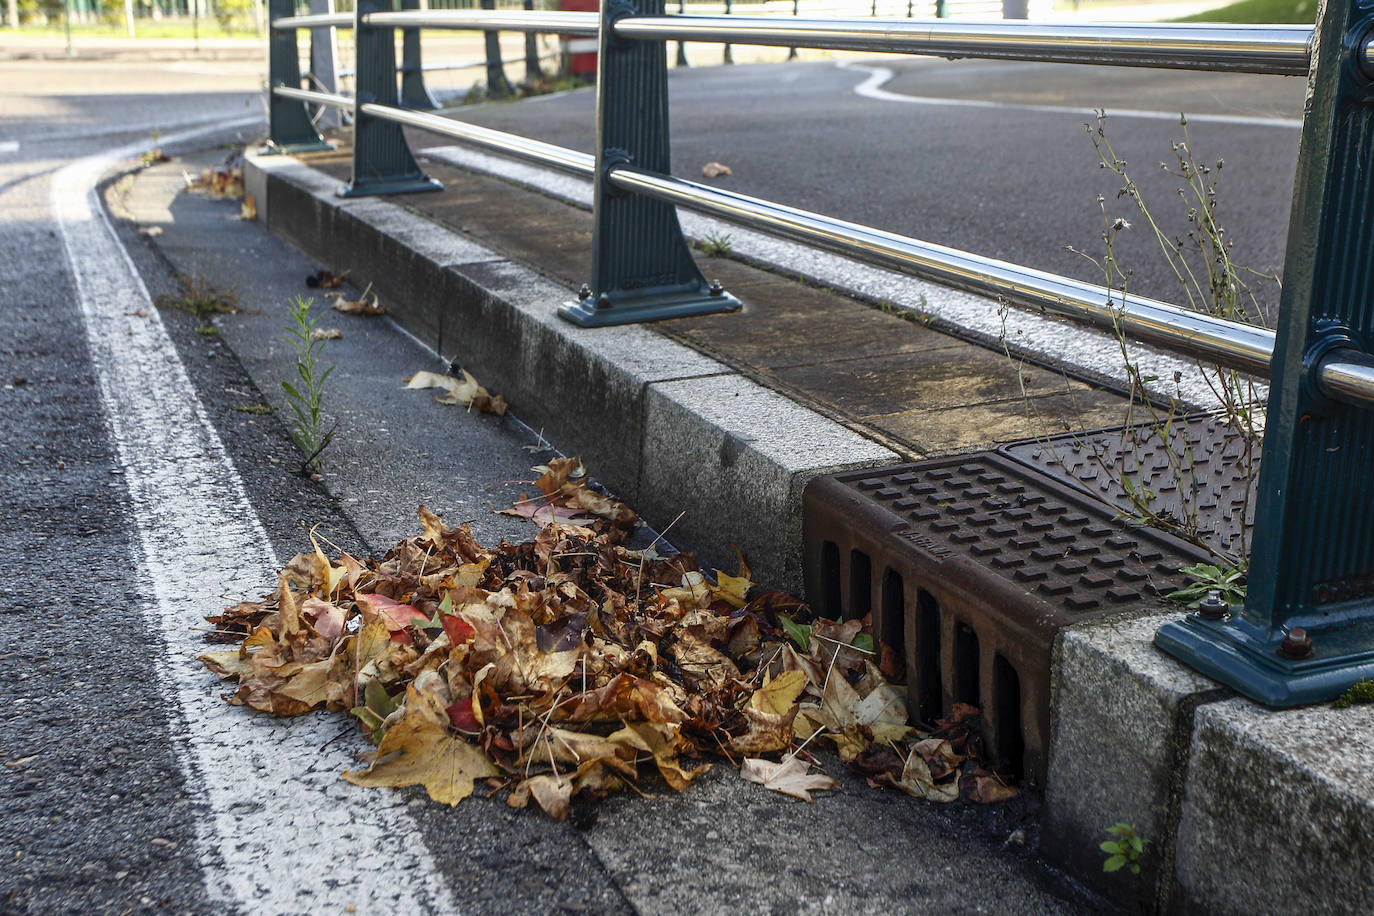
(1203, 465)
(970, 565)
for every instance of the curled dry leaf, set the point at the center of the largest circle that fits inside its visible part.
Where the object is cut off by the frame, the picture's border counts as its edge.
(460, 392)
(715, 170)
(364, 305)
(790, 777)
(248, 210)
(326, 334)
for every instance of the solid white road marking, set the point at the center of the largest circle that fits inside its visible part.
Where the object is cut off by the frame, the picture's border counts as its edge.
(1056, 342)
(872, 88)
(9, 146)
(285, 834)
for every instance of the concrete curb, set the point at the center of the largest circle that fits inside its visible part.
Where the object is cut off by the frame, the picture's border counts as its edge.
(672, 431)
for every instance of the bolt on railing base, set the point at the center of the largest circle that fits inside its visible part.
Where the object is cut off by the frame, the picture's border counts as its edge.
(397, 186)
(288, 149)
(647, 306)
(1253, 661)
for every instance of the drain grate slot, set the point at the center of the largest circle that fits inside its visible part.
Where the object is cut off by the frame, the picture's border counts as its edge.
(924, 682)
(860, 584)
(983, 560)
(964, 666)
(1006, 713)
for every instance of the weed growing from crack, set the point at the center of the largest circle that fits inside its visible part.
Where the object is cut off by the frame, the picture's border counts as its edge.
(1156, 413)
(715, 245)
(1125, 850)
(202, 299)
(918, 315)
(306, 396)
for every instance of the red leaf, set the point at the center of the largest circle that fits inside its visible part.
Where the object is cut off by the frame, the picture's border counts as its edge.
(459, 630)
(460, 714)
(396, 615)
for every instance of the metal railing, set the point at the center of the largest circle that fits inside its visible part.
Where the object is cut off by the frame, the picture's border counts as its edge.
(1312, 565)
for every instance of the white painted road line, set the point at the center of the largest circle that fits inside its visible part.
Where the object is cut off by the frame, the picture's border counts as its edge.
(285, 834)
(871, 88)
(9, 146)
(1053, 341)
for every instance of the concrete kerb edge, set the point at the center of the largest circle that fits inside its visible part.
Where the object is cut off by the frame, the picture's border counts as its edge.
(621, 397)
(1121, 726)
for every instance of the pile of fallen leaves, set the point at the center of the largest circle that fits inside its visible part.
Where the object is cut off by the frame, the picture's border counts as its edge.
(217, 184)
(570, 665)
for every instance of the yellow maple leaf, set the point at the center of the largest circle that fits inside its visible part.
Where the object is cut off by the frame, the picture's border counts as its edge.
(418, 751)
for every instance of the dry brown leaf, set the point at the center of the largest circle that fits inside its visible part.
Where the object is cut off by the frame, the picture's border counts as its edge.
(790, 777)
(715, 170)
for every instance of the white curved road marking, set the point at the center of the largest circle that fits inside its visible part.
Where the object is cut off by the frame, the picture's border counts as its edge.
(871, 88)
(284, 834)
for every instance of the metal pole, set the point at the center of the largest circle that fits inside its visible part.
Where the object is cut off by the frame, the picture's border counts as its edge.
(682, 45)
(414, 92)
(792, 49)
(382, 162)
(129, 16)
(289, 125)
(727, 57)
(642, 269)
(1280, 49)
(497, 84)
(324, 53)
(1306, 630)
(533, 70)
(67, 24)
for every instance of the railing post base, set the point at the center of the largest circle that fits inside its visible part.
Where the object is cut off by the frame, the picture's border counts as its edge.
(290, 129)
(1306, 630)
(386, 186)
(648, 305)
(642, 269)
(272, 149)
(382, 161)
(1248, 659)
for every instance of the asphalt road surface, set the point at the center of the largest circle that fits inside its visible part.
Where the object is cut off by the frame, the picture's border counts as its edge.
(145, 488)
(987, 156)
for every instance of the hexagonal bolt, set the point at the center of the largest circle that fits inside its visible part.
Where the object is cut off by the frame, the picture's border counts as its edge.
(1296, 644)
(717, 289)
(603, 301)
(1213, 607)
(584, 291)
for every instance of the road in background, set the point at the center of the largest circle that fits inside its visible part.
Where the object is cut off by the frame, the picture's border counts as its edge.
(988, 156)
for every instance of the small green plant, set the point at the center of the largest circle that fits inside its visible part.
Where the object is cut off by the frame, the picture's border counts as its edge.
(1359, 692)
(715, 246)
(257, 409)
(1204, 578)
(306, 396)
(917, 315)
(202, 299)
(1125, 850)
(1158, 411)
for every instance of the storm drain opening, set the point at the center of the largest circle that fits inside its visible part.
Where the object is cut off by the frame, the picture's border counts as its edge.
(829, 591)
(964, 666)
(925, 685)
(860, 584)
(1006, 705)
(891, 623)
(985, 559)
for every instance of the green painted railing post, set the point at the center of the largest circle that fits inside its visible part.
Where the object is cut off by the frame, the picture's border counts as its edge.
(498, 87)
(533, 71)
(1306, 631)
(382, 163)
(289, 128)
(642, 269)
(414, 92)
